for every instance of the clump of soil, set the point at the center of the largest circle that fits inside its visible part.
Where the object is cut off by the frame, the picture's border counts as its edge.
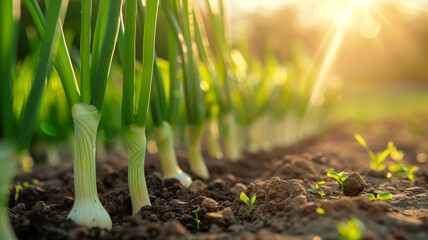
(353, 185)
(284, 208)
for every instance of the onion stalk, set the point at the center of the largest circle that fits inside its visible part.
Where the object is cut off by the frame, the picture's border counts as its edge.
(10, 17)
(134, 123)
(86, 116)
(181, 22)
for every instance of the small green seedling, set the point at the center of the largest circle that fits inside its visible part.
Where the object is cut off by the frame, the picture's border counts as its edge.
(249, 202)
(394, 153)
(35, 181)
(380, 196)
(376, 159)
(340, 177)
(404, 170)
(321, 211)
(197, 218)
(353, 229)
(18, 188)
(318, 189)
(384, 196)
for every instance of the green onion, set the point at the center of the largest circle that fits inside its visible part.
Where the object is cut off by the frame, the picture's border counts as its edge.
(8, 166)
(9, 22)
(163, 117)
(87, 209)
(85, 50)
(134, 124)
(193, 96)
(163, 131)
(224, 69)
(10, 12)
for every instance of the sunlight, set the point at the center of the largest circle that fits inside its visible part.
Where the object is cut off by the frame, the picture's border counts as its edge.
(370, 28)
(342, 21)
(360, 2)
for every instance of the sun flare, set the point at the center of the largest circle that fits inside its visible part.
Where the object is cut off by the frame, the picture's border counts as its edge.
(360, 2)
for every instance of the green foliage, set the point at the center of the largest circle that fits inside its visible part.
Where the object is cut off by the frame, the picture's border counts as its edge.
(369, 196)
(197, 218)
(318, 189)
(384, 196)
(321, 211)
(380, 196)
(378, 158)
(248, 201)
(43, 68)
(404, 170)
(340, 177)
(19, 187)
(400, 169)
(394, 153)
(353, 229)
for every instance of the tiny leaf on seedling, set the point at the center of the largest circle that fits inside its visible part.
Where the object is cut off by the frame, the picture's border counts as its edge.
(333, 175)
(35, 181)
(245, 199)
(321, 211)
(384, 196)
(197, 218)
(312, 191)
(17, 190)
(396, 167)
(253, 199)
(351, 230)
(394, 153)
(381, 156)
(318, 185)
(369, 196)
(360, 140)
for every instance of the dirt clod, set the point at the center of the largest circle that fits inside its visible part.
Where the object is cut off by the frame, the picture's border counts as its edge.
(197, 186)
(209, 204)
(238, 188)
(376, 173)
(353, 185)
(222, 218)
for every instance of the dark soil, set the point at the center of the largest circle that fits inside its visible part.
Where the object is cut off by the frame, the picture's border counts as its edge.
(284, 209)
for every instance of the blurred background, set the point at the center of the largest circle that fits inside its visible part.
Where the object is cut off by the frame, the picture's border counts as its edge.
(380, 60)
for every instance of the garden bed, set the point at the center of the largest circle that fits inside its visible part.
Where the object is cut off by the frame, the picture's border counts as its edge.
(284, 208)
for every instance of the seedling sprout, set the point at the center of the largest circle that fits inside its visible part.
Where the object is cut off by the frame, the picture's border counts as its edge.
(197, 218)
(249, 202)
(375, 159)
(318, 189)
(340, 177)
(404, 170)
(380, 196)
(321, 211)
(18, 188)
(353, 229)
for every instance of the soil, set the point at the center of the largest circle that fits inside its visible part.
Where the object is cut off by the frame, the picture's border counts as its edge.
(281, 178)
